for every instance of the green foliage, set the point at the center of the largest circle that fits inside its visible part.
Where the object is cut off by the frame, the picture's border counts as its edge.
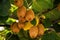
(4, 7)
(47, 23)
(33, 21)
(12, 1)
(53, 15)
(50, 36)
(13, 8)
(42, 5)
(11, 36)
(23, 35)
(27, 3)
(56, 26)
(3, 19)
(10, 20)
(3, 33)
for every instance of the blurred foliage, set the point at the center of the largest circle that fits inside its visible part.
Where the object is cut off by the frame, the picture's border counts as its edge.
(4, 7)
(56, 26)
(47, 23)
(53, 15)
(50, 36)
(11, 36)
(38, 5)
(3, 34)
(3, 19)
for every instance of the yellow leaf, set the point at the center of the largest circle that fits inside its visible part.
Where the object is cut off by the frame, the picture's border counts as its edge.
(27, 26)
(37, 20)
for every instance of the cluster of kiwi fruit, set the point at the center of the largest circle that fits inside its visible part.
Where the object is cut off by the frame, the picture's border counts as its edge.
(36, 31)
(24, 16)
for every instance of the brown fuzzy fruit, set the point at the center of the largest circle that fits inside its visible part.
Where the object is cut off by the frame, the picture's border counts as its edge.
(18, 3)
(30, 15)
(21, 12)
(22, 19)
(20, 25)
(33, 32)
(15, 28)
(40, 29)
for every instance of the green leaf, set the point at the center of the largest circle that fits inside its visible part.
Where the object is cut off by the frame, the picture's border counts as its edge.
(53, 15)
(41, 5)
(47, 23)
(23, 39)
(12, 1)
(26, 34)
(20, 34)
(27, 3)
(3, 19)
(4, 7)
(13, 8)
(50, 36)
(56, 27)
(10, 20)
(33, 22)
(11, 36)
